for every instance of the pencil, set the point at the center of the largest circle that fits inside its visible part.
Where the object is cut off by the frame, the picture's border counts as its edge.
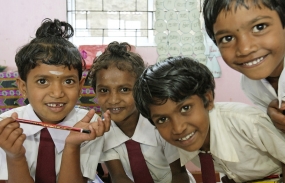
(48, 125)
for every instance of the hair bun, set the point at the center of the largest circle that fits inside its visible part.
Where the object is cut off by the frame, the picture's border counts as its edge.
(119, 48)
(54, 28)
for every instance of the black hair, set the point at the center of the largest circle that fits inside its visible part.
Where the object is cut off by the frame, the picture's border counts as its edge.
(175, 78)
(51, 47)
(212, 8)
(119, 55)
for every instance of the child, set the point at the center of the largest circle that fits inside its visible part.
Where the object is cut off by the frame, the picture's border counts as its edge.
(50, 70)
(251, 38)
(113, 75)
(177, 95)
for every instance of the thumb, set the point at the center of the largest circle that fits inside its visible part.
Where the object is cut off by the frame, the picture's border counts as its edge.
(14, 115)
(87, 118)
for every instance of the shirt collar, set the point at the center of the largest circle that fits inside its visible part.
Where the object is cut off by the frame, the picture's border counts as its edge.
(220, 144)
(58, 136)
(144, 133)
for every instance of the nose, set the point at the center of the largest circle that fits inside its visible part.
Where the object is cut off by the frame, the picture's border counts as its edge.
(178, 126)
(246, 45)
(114, 98)
(56, 90)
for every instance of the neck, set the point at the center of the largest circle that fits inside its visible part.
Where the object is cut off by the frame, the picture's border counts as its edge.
(128, 125)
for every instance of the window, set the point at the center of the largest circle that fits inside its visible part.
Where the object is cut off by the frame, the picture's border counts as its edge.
(103, 21)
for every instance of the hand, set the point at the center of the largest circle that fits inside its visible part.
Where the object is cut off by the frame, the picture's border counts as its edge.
(97, 128)
(12, 137)
(276, 115)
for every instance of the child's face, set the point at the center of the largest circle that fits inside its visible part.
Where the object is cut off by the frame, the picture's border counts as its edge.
(114, 91)
(184, 124)
(251, 41)
(52, 91)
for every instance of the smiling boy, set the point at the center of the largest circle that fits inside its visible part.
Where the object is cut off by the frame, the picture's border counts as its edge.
(251, 38)
(177, 96)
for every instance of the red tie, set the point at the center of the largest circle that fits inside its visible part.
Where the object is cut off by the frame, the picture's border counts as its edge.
(45, 171)
(207, 168)
(139, 168)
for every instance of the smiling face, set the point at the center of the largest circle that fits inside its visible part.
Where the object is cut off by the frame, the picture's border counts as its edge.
(251, 41)
(184, 124)
(51, 95)
(114, 91)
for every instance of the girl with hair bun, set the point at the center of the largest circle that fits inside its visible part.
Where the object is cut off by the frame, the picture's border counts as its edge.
(113, 75)
(50, 77)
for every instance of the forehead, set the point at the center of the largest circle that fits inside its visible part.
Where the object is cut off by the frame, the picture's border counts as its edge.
(52, 70)
(114, 76)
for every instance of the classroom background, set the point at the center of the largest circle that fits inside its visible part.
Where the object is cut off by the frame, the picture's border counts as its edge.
(18, 23)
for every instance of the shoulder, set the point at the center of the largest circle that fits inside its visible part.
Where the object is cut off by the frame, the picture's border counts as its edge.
(19, 110)
(236, 112)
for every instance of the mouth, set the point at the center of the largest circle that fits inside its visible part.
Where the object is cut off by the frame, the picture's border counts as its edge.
(187, 136)
(54, 105)
(254, 62)
(115, 110)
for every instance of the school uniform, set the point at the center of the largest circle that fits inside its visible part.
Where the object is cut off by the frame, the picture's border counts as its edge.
(243, 142)
(260, 92)
(89, 152)
(157, 153)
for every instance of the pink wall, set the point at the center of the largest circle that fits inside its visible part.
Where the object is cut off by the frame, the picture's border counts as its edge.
(227, 86)
(19, 21)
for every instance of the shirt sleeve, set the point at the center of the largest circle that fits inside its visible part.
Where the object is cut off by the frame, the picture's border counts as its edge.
(108, 155)
(268, 139)
(3, 165)
(90, 153)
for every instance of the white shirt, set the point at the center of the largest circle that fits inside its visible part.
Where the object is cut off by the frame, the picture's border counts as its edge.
(157, 152)
(261, 93)
(89, 153)
(244, 143)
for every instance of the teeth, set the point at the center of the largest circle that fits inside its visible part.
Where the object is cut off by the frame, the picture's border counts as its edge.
(115, 109)
(254, 62)
(55, 105)
(187, 137)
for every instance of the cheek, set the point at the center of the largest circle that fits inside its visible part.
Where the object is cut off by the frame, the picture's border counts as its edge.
(164, 132)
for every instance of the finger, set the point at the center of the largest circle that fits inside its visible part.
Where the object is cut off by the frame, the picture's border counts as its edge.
(18, 145)
(5, 122)
(8, 129)
(87, 118)
(107, 120)
(93, 133)
(100, 128)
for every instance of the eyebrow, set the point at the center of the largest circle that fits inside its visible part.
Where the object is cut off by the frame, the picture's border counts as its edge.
(249, 23)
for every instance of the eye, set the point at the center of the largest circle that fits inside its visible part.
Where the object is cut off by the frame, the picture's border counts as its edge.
(42, 81)
(185, 108)
(259, 27)
(161, 120)
(226, 39)
(69, 81)
(125, 90)
(102, 90)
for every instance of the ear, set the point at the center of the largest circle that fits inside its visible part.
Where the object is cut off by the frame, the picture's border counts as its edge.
(209, 96)
(22, 86)
(81, 84)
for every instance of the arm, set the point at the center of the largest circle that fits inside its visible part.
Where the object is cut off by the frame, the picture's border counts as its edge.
(11, 141)
(179, 173)
(117, 172)
(276, 115)
(70, 170)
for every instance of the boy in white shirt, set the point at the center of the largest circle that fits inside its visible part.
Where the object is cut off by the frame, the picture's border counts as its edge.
(251, 38)
(177, 96)
(50, 70)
